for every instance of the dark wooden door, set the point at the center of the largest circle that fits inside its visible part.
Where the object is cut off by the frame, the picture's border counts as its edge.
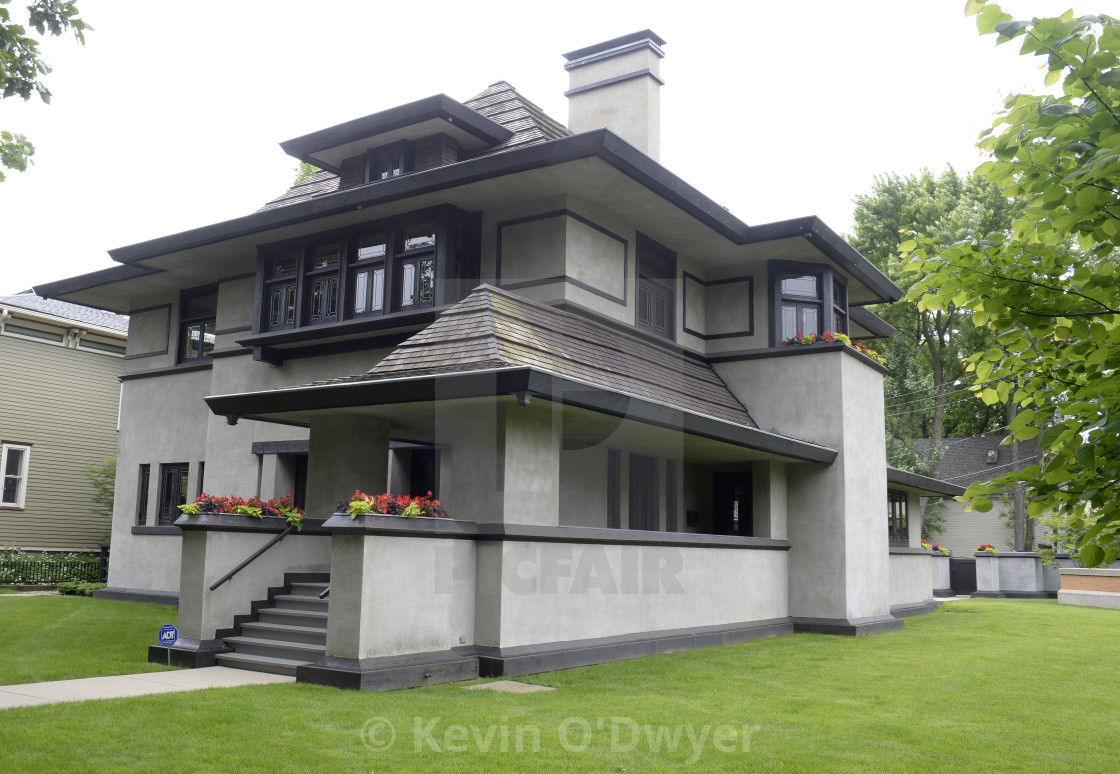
(643, 492)
(733, 501)
(962, 575)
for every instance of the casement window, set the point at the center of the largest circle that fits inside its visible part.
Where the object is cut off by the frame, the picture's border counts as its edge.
(656, 292)
(14, 461)
(643, 493)
(806, 299)
(378, 269)
(143, 478)
(614, 488)
(198, 311)
(898, 522)
(172, 491)
(389, 161)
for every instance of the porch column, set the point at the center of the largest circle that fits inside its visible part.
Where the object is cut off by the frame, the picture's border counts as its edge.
(346, 453)
(504, 463)
(839, 563)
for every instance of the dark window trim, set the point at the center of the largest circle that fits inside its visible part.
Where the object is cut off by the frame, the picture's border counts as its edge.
(828, 277)
(408, 161)
(670, 495)
(453, 257)
(187, 320)
(747, 279)
(614, 488)
(167, 469)
(144, 477)
(898, 518)
(645, 245)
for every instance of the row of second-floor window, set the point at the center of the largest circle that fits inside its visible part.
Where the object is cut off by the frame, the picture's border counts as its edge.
(381, 268)
(806, 299)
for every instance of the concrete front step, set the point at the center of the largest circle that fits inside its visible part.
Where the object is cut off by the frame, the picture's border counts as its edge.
(298, 602)
(284, 633)
(253, 646)
(277, 666)
(312, 618)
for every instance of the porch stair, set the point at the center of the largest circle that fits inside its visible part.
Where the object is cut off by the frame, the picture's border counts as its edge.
(286, 631)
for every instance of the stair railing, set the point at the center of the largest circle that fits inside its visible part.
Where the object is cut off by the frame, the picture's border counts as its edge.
(254, 557)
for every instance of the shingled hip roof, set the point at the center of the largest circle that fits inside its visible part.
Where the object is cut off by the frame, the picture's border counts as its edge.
(496, 343)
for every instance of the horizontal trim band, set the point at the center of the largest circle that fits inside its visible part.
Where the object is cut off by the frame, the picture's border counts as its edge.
(614, 80)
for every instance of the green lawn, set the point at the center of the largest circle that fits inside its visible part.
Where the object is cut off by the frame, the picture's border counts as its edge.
(980, 686)
(61, 638)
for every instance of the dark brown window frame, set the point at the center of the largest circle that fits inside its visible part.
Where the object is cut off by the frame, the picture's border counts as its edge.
(667, 281)
(144, 477)
(898, 518)
(406, 148)
(828, 282)
(167, 469)
(189, 321)
(455, 268)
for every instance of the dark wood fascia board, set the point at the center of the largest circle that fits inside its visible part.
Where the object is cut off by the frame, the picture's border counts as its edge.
(93, 279)
(436, 106)
(599, 143)
(832, 245)
(308, 333)
(793, 350)
(495, 383)
(926, 486)
(876, 325)
(184, 368)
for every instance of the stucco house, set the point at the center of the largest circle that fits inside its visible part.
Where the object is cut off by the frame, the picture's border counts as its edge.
(59, 364)
(578, 352)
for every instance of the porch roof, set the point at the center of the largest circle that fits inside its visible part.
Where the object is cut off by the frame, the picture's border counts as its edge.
(494, 343)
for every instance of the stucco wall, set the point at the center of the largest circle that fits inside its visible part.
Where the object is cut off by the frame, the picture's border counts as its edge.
(911, 578)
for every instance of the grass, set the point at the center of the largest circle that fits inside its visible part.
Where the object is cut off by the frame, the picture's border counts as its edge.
(62, 638)
(984, 685)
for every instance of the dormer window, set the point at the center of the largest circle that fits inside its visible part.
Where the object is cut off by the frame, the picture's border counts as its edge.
(389, 161)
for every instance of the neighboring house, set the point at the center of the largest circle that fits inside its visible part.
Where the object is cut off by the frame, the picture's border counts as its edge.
(967, 461)
(59, 364)
(578, 352)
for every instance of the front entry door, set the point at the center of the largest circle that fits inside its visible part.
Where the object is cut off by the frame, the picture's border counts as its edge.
(733, 501)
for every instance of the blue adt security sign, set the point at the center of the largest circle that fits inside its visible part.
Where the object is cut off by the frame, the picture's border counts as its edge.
(168, 634)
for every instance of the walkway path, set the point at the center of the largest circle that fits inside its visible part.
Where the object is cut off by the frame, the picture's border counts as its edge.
(118, 686)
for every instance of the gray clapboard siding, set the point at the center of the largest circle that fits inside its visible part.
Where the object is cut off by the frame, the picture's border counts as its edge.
(64, 402)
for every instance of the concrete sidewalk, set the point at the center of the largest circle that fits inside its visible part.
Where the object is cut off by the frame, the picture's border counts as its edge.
(118, 686)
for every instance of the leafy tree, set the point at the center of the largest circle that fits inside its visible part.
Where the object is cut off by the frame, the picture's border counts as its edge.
(103, 480)
(1049, 290)
(304, 171)
(21, 65)
(922, 391)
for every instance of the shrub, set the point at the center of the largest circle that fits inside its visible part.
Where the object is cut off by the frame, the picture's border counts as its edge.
(79, 588)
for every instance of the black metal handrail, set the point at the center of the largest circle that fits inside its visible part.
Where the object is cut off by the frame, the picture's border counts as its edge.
(254, 557)
(326, 591)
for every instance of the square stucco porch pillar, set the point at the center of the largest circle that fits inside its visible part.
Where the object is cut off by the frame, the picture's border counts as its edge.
(504, 462)
(839, 563)
(346, 453)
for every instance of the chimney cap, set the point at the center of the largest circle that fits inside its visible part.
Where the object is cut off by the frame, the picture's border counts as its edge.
(606, 45)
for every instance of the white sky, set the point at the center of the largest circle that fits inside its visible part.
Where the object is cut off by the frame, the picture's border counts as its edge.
(170, 117)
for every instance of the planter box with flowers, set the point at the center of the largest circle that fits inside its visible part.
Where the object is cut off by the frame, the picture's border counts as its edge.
(281, 510)
(1016, 574)
(828, 337)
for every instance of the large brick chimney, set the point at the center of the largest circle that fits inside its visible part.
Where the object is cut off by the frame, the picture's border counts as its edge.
(615, 85)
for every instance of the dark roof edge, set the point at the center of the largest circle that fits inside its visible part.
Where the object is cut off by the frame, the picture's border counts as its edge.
(497, 382)
(875, 325)
(922, 485)
(600, 142)
(93, 279)
(832, 245)
(436, 106)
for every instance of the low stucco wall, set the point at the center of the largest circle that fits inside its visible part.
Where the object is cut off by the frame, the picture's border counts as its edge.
(911, 578)
(145, 562)
(555, 592)
(211, 550)
(1017, 572)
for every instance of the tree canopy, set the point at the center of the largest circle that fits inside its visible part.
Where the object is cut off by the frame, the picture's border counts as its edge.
(924, 391)
(22, 66)
(1048, 289)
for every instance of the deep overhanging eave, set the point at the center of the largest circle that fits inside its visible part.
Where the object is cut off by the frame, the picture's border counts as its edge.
(269, 405)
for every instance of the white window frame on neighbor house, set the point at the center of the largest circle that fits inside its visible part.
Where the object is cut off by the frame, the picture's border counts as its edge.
(21, 487)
